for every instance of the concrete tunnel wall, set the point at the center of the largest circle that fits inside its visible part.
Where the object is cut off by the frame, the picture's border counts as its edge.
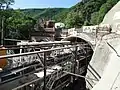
(82, 41)
(81, 38)
(106, 61)
(98, 63)
(104, 66)
(100, 66)
(94, 71)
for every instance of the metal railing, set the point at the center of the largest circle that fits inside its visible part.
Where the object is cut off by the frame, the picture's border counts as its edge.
(60, 54)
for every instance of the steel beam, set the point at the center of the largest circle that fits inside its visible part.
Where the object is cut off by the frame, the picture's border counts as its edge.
(35, 52)
(45, 67)
(40, 43)
(79, 76)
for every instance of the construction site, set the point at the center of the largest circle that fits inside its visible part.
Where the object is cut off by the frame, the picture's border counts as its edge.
(73, 59)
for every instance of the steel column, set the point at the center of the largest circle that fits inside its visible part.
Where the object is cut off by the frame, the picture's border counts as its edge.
(45, 71)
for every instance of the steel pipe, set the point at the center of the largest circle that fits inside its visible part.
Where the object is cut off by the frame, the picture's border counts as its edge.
(35, 52)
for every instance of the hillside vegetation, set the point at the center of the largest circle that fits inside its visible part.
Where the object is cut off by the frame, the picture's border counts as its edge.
(17, 23)
(86, 12)
(14, 23)
(44, 13)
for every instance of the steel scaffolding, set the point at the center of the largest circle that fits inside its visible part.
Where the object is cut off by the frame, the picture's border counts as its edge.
(49, 64)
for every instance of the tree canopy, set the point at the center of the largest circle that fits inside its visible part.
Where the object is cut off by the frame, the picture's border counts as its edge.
(17, 25)
(86, 12)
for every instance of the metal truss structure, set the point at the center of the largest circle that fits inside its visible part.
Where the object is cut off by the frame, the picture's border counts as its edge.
(45, 65)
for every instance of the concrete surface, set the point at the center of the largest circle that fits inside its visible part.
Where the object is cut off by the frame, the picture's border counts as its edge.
(110, 79)
(113, 17)
(105, 63)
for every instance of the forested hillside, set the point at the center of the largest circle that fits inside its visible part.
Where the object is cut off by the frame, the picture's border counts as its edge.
(46, 13)
(86, 12)
(14, 24)
(17, 23)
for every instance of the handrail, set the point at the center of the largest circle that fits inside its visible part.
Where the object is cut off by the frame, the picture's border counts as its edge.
(39, 43)
(35, 52)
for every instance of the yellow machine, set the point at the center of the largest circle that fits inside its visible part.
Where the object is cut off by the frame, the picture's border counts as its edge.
(3, 62)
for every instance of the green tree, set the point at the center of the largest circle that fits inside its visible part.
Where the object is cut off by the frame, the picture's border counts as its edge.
(60, 17)
(6, 3)
(105, 8)
(74, 20)
(19, 25)
(88, 12)
(94, 18)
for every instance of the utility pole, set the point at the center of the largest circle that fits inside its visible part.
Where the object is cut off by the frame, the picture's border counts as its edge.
(2, 32)
(45, 67)
(2, 29)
